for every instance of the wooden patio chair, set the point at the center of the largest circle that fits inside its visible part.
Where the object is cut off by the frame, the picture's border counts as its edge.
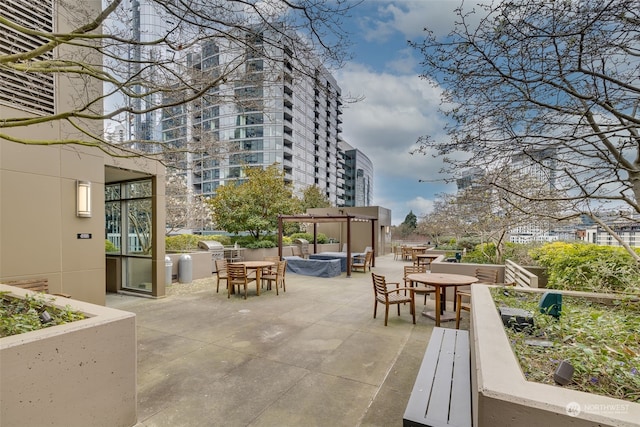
(411, 269)
(237, 276)
(221, 272)
(277, 277)
(406, 253)
(362, 262)
(272, 269)
(486, 276)
(387, 294)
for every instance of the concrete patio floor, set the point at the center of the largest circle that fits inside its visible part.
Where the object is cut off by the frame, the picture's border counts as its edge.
(311, 356)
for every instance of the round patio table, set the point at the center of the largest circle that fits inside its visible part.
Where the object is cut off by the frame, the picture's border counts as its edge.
(440, 281)
(257, 266)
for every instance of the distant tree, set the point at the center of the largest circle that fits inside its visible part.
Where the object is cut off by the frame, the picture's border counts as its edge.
(253, 205)
(313, 197)
(444, 221)
(561, 78)
(408, 226)
(184, 208)
(487, 214)
(411, 221)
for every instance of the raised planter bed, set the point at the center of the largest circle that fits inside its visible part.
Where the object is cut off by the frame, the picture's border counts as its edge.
(503, 397)
(77, 374)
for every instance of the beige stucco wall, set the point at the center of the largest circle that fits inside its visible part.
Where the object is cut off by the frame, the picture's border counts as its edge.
(38, 223)
(360, 231)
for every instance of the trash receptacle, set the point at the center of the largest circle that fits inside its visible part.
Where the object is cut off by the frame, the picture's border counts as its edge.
(168, 270)
(185, 269)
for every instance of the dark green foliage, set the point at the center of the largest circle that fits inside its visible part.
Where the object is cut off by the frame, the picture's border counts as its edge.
(18, 316)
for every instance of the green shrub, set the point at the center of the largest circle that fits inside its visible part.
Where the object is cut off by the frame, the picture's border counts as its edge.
(109, 247)
(189, 242)
(307, 236)
(520, 253)
(467, 244)
(322, 238)
(260, 244)
(484, 253)
(588, 267)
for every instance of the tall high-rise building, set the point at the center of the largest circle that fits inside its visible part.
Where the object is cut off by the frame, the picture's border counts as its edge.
(358, 177)
(147, 25)
(277, 108)
(264, 101)
(538, 164)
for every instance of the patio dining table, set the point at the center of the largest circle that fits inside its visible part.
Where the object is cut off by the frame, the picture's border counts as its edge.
(440, 281)
(257, 266)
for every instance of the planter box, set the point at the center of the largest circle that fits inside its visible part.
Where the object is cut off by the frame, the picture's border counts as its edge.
(503, 397)
(78, 374)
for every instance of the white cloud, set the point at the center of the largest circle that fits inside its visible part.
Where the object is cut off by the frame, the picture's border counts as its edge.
(398, 106)
(420, 206)
(404, 62)
(411, 17)
(395, 112)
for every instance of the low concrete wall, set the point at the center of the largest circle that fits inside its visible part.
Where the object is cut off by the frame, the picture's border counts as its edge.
(201, 264)
(441, 266)
(78, 374)
(502, 397)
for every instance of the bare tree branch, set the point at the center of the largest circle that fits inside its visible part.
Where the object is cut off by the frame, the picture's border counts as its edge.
(530, 77)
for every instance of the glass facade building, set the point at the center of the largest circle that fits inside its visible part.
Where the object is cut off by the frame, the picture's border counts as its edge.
(275, 109)
(358, 177)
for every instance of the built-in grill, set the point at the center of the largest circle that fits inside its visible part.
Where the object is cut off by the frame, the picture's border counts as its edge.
(216, 248)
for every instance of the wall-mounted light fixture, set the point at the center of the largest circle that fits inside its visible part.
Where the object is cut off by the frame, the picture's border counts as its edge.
(83, 199)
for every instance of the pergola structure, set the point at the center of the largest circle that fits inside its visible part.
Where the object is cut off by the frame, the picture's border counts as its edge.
(316, 219)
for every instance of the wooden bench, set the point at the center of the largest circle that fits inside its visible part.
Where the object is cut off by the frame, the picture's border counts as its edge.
(35, 285)
(441, 395)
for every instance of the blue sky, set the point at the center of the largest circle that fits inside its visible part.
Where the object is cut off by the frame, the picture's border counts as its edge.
(398, 106)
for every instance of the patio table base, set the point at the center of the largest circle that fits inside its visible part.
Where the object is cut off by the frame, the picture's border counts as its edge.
(447, 316)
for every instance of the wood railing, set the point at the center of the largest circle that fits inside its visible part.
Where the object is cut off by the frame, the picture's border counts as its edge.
(513, 273)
